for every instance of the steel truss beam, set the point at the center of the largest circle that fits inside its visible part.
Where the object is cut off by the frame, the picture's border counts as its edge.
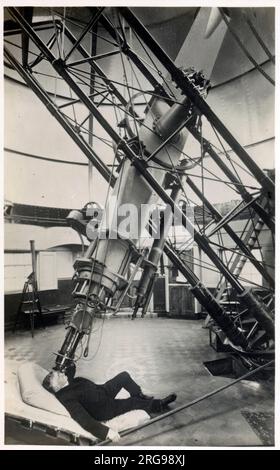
(89, 59)
(11, 27)
(126, 49)
(196, 134)
(231, 215)
(53, 109)
(258, 310)
(242, 190)
(207, 300)
(95, 67)
(235, 212)
(199, 290)
(202, 294)
(181, 81)
(28, 14)
(207, 147)
(93, 21)
(216, 214)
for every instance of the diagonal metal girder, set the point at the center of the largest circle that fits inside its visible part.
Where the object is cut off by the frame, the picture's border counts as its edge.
(28, 15)
(207, 147)
(59, 67)
(199, 291)
(196, 134)
(202, 241)
(181, 81)
(230, 231)
(53, 109)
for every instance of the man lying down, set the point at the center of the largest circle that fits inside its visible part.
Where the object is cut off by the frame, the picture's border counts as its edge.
(89, 403)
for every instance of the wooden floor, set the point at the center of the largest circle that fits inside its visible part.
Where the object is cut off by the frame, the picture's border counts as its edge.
(164, 356)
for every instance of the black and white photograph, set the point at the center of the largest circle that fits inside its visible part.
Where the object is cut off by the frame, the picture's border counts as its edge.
(139, 225)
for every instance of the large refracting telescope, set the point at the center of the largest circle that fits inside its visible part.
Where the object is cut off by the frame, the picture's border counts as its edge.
(102, 272)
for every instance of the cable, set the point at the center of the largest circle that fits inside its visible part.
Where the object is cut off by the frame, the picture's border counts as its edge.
(206, 265)
(122, 84)
(167, 166)
(81, 25)
(154, 64)
(127, 87)
(219, 180)
(226, 154)
(152, 130)
(241, 45)
(20, 47)
(56, 33)
(86, 131)
(260, 41)
(103, 266)
(241, 75)
(55, 77)
(39, 157)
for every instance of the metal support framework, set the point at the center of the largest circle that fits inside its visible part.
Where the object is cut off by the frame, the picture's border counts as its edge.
(140, 164)
(230, 216)
(207, 300)
(125, 47)
(54, 110)
(239, 260)
(245, 194)
(217, 311)
(11, 28)
(95, 67)
(179, 78)
(207, 147)
(216, 214)
(90, 59)
(89, 26)
(28, 14)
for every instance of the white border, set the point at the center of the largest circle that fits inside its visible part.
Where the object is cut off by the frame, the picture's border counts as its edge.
(147, 3)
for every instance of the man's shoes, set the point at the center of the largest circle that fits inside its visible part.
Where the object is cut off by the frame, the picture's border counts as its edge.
(158, 406)
(167, 400)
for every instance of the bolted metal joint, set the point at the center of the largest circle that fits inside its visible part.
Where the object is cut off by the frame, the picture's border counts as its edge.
(59, 64)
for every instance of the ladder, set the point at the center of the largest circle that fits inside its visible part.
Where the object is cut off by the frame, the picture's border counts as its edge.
(30, 302)
(223, 289)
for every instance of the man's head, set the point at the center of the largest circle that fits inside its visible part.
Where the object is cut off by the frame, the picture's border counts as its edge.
(54, 381)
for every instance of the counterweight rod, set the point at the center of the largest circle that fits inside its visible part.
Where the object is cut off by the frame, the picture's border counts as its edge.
(191, 403)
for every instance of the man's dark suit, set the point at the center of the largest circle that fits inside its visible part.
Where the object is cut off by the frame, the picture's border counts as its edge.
(89, 403)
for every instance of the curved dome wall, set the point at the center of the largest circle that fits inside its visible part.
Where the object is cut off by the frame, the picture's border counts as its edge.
(241, 97)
